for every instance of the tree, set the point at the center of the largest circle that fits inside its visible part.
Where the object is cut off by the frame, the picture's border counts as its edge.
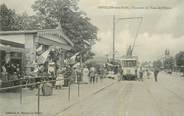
(26, 22)
(180, 58)
(180, 61)
(157, 64)
(11, 21)
(169, 63)
(75, 24)
(7, 19)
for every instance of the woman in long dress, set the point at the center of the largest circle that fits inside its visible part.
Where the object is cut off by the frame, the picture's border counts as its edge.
(85, 76)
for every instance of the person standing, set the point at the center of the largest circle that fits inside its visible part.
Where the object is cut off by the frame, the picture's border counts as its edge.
(120, 73)
(148, 73)
(85, 75)
(156, 71)
(4, 74)
(78, 74)
(60, 79)
(66, 74)
(92, 75)
(75, 72)
(141, 74)
(101, 73)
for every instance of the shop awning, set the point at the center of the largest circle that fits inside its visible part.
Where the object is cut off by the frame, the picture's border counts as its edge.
(45, 41)
(54, 37)
(12, 49)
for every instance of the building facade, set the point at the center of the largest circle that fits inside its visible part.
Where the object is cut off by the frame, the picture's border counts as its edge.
(25, 44)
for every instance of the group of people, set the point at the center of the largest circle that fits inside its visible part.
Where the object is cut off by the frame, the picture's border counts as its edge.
(88, 74)
(10, 71)
(148, 73)
(85, 74)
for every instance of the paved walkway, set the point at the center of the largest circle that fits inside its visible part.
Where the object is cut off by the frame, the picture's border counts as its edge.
(49, 105)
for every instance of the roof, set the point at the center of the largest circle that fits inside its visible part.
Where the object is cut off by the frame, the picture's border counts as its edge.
(50, 34)
(18, 32)
(55, 33)
(128, 59)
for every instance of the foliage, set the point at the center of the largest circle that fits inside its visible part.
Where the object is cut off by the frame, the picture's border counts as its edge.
(157, 64)
(7, 18)
(169, 63)
(75, 24)
(85, 56)
(180, 58)
(27, 22)
(10, 21)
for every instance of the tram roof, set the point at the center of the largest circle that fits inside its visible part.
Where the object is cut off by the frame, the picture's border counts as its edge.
(128, 59)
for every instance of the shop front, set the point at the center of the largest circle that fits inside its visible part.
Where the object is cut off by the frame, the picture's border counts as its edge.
(12, 65)
(30, 51)
(37, 42)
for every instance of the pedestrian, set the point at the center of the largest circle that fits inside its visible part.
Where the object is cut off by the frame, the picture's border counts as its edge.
(101, 73)
(92, 75)
(85, 73)
(78, 74)
(156, 71)
(115, 70)
(67, 75)
(4, 73)
(141, 74)
(51, 72)
(120, 73)
(59, 80)
(96, 77)
(147, 73)
(73, 75)
(19, 74)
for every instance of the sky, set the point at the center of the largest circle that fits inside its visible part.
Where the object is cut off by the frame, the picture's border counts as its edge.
(162, 26)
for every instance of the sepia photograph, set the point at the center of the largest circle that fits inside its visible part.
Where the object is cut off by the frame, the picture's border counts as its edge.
(91, 58)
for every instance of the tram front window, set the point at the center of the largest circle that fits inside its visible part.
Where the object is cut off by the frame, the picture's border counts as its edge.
(129, 63)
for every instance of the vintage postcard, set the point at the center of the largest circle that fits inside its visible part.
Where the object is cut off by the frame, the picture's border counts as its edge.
(91, 58)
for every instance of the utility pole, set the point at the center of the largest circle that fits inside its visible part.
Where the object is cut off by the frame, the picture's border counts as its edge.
(113, 52)
(114, 31)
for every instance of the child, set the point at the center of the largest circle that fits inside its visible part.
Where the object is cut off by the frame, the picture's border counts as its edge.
(60, 81)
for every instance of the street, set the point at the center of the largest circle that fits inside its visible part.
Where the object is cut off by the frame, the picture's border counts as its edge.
(135, 98)
(105, 98)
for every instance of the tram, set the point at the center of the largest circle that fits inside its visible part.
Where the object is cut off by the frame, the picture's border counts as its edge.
(129, 67)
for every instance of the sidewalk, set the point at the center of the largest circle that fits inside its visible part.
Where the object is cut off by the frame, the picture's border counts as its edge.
(49, 105)
(177, 74)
